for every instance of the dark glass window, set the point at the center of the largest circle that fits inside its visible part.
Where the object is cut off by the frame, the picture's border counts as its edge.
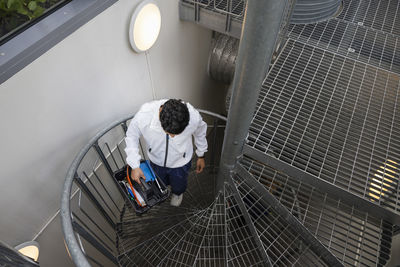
(17, 15)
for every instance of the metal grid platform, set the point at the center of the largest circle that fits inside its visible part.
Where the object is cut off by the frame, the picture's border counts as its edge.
(334, 118)
(233, 8)
(351, 40)
(226, 16)
(365, 30)
(354, 237)
(305, 11)
(376, 14)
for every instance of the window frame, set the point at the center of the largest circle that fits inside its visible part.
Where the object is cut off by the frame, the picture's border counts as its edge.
(30, 44)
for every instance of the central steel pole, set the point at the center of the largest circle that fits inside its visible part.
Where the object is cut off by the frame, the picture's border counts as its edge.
(260, 30)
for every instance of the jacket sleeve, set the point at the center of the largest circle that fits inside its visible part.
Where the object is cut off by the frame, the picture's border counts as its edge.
(200, 137)
(132, 143)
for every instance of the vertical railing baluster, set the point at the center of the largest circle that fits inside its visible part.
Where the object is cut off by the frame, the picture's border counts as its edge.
(214, 143)
(110, 171)
(103, 158)
(93, 200)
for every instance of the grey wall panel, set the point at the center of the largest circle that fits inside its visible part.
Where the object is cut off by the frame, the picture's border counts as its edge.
(51, 108)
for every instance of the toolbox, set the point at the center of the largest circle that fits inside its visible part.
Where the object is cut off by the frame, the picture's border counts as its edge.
(150, 192)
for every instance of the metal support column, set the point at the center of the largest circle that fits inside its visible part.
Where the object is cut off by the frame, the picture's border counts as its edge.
(260, 29)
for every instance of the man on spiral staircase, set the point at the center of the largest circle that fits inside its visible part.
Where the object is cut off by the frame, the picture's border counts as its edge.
(167, 127)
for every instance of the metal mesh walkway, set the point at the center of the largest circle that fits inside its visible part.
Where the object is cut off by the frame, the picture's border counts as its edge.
(335, 118)
(378, 15)
(352, 40)
(328, 118)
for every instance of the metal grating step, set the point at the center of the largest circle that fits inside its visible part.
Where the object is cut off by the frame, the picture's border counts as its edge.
(284, 246)
(334, 118)
(184, 252)
(215, 236)
(354, 237)
(383, 15)
(351, 40)
(242, 250)
(135, 229)
(305, 11)
(212, 250)
(154, 250)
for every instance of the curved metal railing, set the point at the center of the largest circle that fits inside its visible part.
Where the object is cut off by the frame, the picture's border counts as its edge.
(93, 204)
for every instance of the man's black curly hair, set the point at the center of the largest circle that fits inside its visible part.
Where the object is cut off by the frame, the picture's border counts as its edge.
(174, 116)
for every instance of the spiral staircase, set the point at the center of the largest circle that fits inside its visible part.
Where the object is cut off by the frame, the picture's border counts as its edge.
(317, 183)
(261, 217)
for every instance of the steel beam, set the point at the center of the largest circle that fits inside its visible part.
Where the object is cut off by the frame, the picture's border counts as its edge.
(347, 197)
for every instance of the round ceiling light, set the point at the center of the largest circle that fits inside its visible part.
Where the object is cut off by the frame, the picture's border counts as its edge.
(145, 26)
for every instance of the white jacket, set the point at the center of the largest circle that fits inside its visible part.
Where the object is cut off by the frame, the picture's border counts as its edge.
(146, 123)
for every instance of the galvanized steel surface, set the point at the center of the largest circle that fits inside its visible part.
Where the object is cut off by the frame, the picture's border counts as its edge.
(305, 11)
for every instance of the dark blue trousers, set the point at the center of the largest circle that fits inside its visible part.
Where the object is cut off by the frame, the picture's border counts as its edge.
(176, 177)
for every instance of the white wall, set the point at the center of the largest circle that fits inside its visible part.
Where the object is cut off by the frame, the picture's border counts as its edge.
(51, 108)
(187, 45)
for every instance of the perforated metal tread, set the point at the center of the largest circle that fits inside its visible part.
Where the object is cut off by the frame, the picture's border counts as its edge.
(334, 118)
(354, 237)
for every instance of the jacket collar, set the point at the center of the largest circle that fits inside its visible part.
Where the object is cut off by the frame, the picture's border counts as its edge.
(155, 120)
